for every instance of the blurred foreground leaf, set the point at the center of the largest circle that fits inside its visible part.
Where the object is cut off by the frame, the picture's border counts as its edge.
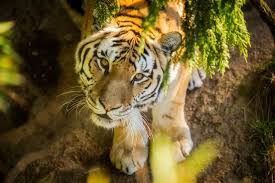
(9, 70)
(198, 161)
(165, 169)
(10, 78)
(5, 27)
(98, 176)
(7, 62)
(162, 160)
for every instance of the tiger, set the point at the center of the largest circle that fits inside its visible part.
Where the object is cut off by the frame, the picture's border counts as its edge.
(121, 83)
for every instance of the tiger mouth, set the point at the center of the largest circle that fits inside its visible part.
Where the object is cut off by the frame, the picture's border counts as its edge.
(105, 116)
(104, 120)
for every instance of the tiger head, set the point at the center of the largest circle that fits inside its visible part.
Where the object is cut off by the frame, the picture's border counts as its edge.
(116, 77)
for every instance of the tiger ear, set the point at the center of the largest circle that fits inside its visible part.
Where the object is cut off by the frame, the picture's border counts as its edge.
(170, 42)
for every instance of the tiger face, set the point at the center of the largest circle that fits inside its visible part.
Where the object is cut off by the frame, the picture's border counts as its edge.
(116, 78)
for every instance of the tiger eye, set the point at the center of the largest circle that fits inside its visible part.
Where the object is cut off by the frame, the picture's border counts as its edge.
(104, 63)
(139, 76)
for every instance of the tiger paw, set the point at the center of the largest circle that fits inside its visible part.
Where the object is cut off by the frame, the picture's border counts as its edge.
(128, 160)
(183, 147)
(196, 80)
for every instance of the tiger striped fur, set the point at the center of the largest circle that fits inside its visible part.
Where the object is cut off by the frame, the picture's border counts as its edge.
(120, 83)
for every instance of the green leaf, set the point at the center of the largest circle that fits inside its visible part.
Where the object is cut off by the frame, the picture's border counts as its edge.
(5, 27)
(10, 78)
(212, 27)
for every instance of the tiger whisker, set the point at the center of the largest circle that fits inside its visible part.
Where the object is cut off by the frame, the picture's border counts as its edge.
(148, 127)
(142, 128)
(74, 96)
(80, 104)
(73, 106)
(69, 92)
(74, 101)
(133, 139)
(70, 102)
(83, 107)
(130, 129)
(138, 123)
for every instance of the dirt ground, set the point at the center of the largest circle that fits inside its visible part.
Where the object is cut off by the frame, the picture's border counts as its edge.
(41, 142)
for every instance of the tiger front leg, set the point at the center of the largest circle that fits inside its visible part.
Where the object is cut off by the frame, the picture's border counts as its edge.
(129, 151)
(169, 118)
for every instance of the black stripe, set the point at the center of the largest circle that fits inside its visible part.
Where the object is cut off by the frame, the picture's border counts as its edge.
(135, 56)
(151, 75)
(140, 105)
(82, 72)
(116, 58)
(153, 92)
(125, 26)
(158, 29)
(97, 66)
(119, 41)
(124, 51)
(96, 45)
(145, 51)
(147, 70)
(144, 59)
(127, 21)
(133, 63)
(131, 16)
(129, 8)
(151, 37)
(85, 54)
(135, 32)
(83, 46)
(116, 44)
(155, 65)
(146, 87)
(149, 97)
(121, 33)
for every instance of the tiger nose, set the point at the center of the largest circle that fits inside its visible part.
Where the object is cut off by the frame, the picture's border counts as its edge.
(108, 105)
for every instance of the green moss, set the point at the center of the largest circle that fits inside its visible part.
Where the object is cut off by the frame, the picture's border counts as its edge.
(104, 11)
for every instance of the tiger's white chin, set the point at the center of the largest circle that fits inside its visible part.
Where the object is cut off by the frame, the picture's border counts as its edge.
(105, 123)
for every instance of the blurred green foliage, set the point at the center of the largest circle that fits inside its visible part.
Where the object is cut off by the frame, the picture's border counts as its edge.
(162, 160)
(9, 61)
(212, 27)
(198, 161)
(165, 168)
